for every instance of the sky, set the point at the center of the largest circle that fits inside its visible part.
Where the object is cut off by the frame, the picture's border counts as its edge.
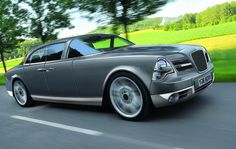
(172, 9)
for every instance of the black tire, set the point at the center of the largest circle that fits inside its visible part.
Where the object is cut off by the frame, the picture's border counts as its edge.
(24, 91)
(146, 100)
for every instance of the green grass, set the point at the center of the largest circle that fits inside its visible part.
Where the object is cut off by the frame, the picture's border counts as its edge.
(218, 43)
(224, 65)
(170, 37)
(2, 81)
(9, 64)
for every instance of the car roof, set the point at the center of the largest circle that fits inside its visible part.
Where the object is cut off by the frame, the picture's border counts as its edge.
(69, 38)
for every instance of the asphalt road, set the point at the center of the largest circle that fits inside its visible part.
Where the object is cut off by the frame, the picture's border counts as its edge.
(206, 121)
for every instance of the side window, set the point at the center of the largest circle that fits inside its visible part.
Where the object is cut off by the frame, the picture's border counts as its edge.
(78, 48)
(102, 44)
(54, 51)
(119, 42)
(38, 56)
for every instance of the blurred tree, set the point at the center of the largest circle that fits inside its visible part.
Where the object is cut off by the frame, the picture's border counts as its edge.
(211, 16)
(120, 12)
(11, 18)
(47, 17)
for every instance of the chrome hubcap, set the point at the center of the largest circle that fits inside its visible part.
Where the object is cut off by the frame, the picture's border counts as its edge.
(20, 93)
(126, 97)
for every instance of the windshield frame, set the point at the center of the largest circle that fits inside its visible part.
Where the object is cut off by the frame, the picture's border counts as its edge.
(88, 40)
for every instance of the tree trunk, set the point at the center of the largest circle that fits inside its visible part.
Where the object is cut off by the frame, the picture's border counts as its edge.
(125, 19)
(43, 39)
(126, 31)
(3, 62)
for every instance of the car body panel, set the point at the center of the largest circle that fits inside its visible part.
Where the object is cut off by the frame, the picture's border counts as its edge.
(93, 86)
(35, 80)
(60, 79)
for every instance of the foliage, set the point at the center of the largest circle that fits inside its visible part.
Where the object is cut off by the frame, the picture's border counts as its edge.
(22, 49)
(148, 23)
(120, 12)
(11, 17)
(217, 14)
(47, 17)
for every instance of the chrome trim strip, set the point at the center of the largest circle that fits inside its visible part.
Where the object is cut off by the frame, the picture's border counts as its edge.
(79, 100)
(167, 95)
(37, 63)
(10, 93)
(186, 64)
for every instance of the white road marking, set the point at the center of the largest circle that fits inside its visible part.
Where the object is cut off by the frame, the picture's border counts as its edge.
(94, 133)
(57, 125)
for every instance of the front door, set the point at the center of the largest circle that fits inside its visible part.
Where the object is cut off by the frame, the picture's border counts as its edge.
(59, 74)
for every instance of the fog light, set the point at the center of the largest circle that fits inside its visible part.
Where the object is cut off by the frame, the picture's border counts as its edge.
(174, 98)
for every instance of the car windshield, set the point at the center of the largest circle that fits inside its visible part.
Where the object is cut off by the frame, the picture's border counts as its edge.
(105, 42)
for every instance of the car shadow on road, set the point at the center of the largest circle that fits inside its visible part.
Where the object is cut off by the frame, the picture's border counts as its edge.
(182, 110)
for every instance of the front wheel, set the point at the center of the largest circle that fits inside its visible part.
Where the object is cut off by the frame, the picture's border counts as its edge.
(21, 94)
(129, 97)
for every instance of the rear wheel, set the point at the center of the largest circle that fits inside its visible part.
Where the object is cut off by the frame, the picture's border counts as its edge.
(129, 97)
(21, 94)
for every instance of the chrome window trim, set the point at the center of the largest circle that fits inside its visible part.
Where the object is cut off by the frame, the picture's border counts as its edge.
(32, 52)
(45, 62)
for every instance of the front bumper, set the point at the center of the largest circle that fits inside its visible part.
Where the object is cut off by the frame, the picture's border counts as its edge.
(10, 93)
(172, 92)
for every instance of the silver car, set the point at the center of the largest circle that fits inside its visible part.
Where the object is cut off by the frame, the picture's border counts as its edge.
(107, 70)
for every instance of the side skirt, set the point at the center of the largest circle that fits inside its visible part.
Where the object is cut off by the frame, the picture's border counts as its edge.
(97, 101)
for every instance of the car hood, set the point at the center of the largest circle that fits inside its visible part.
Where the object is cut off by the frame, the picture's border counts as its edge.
(153, 50)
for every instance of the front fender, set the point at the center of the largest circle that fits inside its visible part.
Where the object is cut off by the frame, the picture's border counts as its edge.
(144, 76)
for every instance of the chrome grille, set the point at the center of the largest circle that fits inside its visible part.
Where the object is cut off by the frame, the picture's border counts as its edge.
(199, 60)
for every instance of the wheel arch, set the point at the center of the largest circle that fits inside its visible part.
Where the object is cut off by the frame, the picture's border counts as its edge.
(15, 78)
(144, 77)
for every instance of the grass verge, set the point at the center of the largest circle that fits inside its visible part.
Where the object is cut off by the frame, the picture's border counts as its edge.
(170, 37)
(2, 81)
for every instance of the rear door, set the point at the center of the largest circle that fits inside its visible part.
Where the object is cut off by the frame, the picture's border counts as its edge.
(59, 73)
(34, 73)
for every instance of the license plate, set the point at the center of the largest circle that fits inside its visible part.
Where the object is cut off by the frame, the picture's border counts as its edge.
(204, 80)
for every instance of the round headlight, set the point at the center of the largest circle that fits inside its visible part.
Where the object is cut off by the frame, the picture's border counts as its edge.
(162, 68)
(162, 64)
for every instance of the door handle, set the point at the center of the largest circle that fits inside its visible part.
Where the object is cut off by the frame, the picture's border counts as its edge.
(41, 69)
(50, 69)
